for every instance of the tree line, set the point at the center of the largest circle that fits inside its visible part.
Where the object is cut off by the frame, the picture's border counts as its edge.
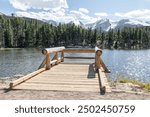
(26, 32)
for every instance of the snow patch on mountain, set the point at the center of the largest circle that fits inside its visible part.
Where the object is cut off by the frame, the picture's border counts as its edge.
(130, 23)
(104, 24)
(54, 23)
(68, 21)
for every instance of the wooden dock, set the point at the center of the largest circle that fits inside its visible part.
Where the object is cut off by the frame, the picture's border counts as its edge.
(55, 75)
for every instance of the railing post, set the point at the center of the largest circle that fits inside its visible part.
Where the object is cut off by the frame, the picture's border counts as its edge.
(98, 53)
(98, 60)
(56, 57)
(48, 65)
(62, 56)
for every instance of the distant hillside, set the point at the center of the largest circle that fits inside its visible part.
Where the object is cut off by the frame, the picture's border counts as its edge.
(25, 32)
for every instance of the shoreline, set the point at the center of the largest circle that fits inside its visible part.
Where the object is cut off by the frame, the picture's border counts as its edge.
(11, 78)
(120, 91)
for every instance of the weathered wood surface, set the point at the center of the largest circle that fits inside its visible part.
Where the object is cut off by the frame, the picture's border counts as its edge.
(103, 81)
(49, 61)
(52, 50)
(69, 57)
(65, 77)
(79, 51)
(25, 78)
(98, 60)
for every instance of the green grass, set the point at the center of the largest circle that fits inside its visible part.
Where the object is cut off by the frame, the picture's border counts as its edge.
(147, 86)
(142, 85)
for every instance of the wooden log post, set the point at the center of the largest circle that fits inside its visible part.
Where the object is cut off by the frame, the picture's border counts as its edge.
(62, 56)
(98, 60)
(47, 59)
(56, 57)
(48, 65)
(98, 53)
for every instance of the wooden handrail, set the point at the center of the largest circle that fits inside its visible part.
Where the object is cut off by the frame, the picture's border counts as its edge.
(25, 78)
(101, 69)
(69, 57)
(52, 50)
(48, 62)
(79, 51)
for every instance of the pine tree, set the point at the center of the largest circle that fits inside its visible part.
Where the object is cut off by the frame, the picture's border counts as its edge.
(8, 34)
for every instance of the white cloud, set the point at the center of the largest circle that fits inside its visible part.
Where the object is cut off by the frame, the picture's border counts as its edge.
(136, 14)
(51, 10)
(44, 15)
(48, 16)
(83, 10)
(39, 4)
(59, 15)
(18, 5)
(102, 14)
(56, 10)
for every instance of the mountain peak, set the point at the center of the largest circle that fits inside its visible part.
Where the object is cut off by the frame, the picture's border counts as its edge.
(102, 24)
(54, 23)
(105, 24)
(130, 23)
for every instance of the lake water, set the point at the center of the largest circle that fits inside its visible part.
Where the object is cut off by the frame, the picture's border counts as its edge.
(132, 64)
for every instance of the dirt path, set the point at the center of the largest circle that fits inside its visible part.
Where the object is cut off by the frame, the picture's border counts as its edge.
(119, 92)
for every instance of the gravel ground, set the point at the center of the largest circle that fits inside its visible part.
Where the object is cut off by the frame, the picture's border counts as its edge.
(119, 92)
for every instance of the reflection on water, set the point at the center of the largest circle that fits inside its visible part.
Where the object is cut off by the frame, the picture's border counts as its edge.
(19, 61)
(132, 64)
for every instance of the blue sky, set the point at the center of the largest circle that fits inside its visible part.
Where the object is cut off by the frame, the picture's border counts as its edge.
(110, 6)
(87, 11)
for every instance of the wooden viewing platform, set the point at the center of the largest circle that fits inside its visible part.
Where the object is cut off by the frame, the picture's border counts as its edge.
(56, 75)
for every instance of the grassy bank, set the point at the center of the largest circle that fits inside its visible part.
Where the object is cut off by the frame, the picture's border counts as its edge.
(142, 85)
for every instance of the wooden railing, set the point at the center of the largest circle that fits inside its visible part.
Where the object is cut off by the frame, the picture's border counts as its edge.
(59, 56)
(49, 62)
(100, 67)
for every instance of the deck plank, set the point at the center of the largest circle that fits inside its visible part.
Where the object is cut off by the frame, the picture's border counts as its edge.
(65, 77)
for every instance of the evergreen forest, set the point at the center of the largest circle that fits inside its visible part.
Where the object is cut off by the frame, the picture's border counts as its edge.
(19, 32)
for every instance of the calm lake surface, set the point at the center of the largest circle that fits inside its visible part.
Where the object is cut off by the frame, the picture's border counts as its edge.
(132, 64)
